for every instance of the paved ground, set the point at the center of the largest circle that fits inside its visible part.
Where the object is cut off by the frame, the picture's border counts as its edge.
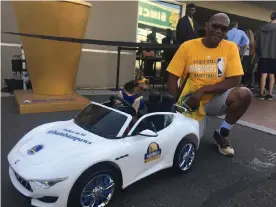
(262, 112)
(247, 180)
(260, 115)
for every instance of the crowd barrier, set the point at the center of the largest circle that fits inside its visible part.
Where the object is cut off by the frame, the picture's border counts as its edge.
(121, 45)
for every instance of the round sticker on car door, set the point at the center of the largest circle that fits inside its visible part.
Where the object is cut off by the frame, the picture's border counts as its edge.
(153, 152)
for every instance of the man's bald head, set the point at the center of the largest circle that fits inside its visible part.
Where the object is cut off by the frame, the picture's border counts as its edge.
(216, 29)
(220, 17)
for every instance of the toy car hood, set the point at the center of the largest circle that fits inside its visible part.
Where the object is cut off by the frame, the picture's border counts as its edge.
(58, 142)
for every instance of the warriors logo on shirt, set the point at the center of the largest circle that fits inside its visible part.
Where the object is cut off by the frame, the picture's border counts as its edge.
(220, 66)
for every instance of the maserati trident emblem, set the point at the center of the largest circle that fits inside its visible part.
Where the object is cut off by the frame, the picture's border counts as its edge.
(17, 161)
(35, 149)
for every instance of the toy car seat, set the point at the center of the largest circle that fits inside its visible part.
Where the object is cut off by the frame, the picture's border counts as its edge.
(167, 104)
(153, 102)
(159, 103)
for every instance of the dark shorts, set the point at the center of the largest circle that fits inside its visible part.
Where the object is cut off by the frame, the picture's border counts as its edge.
(267, 65)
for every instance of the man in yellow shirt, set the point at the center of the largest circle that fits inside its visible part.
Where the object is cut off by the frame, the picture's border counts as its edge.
(212, 70)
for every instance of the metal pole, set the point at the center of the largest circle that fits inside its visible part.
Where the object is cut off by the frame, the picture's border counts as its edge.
(118, 67)
(24, 69)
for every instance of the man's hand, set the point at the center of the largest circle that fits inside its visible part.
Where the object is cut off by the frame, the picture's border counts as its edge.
(194, 99)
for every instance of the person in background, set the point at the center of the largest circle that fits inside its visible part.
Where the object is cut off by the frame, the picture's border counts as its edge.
(248, 61)
(148, 52)
(169, 39)
(148, 64)
(168, 53)
(239, 37)
(154, 33)
(266, 50)
(187, 28)
(257, 74)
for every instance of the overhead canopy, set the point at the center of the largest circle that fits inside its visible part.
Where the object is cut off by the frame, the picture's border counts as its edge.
(244, 9)
(202, 15)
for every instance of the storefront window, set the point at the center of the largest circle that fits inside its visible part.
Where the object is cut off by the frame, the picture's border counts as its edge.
(155, 17)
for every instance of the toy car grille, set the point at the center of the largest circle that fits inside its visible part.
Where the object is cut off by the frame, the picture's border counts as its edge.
(23, 182)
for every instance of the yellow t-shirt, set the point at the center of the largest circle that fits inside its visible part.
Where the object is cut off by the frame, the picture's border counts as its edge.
(206, 66)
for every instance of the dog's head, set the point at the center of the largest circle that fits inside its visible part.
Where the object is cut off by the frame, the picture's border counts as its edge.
(143, 84)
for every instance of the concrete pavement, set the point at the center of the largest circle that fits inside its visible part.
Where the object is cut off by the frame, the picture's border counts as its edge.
(248, 179)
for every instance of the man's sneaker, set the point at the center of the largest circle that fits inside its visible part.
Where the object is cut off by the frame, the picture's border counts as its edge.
(223, 144)
(268, 97)
(260, 96)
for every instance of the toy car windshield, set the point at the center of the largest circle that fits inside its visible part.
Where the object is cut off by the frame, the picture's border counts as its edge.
(97, 119)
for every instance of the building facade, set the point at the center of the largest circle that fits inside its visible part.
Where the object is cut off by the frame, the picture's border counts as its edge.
(127, 21)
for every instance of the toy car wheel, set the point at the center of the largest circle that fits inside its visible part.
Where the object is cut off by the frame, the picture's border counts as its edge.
(184, 156)
(94, 188)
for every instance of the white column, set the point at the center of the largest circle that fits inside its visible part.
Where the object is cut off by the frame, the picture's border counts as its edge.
(183, 11)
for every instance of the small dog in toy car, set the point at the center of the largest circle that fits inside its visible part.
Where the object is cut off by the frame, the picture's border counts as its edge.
(132, 93)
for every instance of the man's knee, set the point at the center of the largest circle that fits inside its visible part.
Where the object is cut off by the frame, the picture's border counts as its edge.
(242, 94)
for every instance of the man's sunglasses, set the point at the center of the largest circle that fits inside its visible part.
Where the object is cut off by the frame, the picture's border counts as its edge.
(221, 27)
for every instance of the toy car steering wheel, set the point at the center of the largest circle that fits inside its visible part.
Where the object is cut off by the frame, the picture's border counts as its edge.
(125, 103)
(185, 107)
(189, 108)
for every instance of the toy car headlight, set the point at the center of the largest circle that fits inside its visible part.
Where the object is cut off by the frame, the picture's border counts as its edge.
(47, 183)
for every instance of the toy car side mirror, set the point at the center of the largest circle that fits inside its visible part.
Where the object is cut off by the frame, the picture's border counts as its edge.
(148, 133)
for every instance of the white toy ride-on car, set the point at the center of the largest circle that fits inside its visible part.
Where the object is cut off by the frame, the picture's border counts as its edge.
(84, 161)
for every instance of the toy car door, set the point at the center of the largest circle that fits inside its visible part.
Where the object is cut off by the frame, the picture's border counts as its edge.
(150, 138)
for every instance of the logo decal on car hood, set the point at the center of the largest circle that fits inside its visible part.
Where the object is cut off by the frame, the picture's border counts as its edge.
(67, 135)
(35, 149)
